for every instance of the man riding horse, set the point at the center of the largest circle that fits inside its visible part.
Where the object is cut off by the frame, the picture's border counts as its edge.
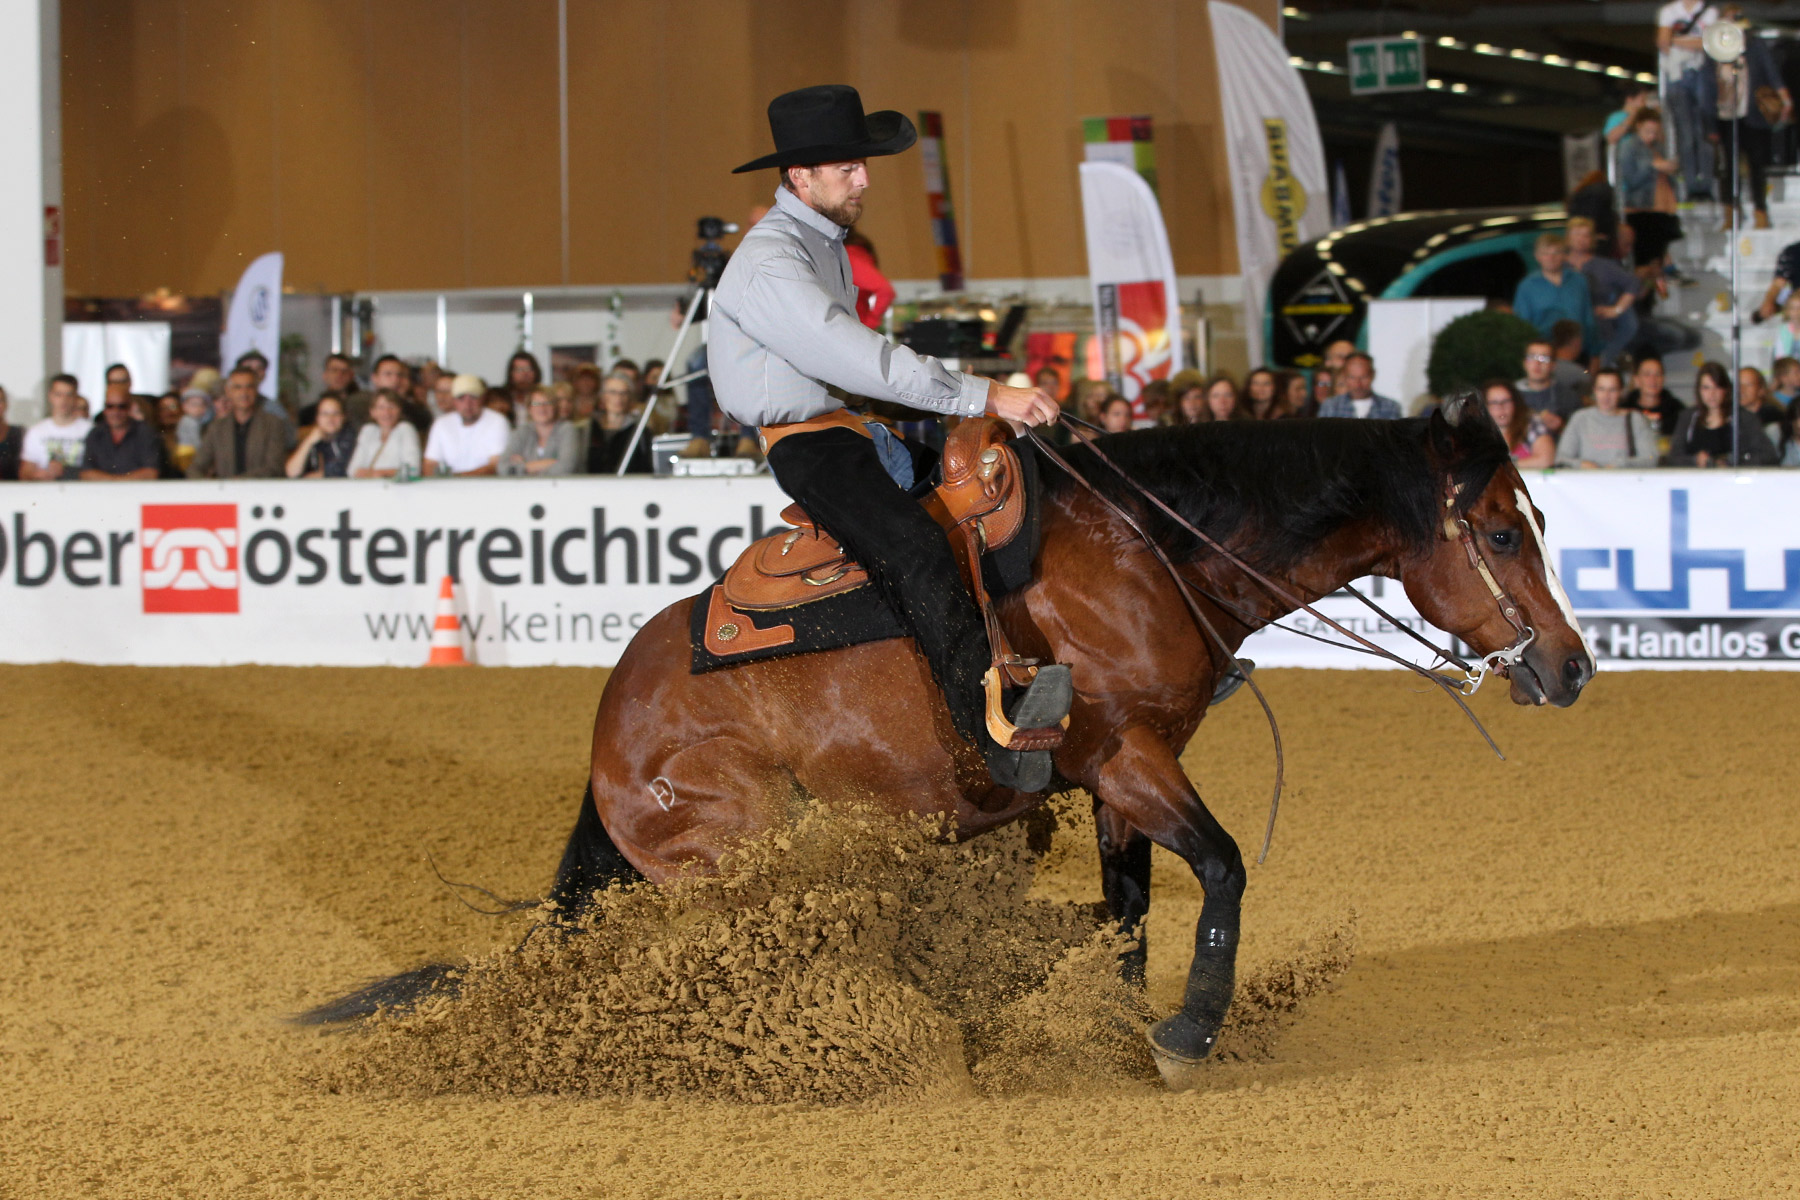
(783, 331)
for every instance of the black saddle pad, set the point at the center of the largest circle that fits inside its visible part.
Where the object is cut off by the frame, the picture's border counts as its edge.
(860, 614)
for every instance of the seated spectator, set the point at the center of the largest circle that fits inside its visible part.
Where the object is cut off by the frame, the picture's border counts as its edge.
(612, 429)
(53, 447)
(12, 439)
(1525, 432)
(253, 359)
(1336, 355)
(249, 443)
(1153, 401)
(324, 453)
(1295, 396)
(387, 446)
(543, 445)
(1541, 392)
(1787, 334)
(1753, 394)
(1553, 292)
(1050, 379)
(1613, 289)
(1115, 414)
(1324, 387)
(1781, 287)
(1703, 436)
(1787, 384)
(563, 393)
(1187, 390)
(338, 378)
(1262, 400)
(1607, 435)
(196, 411)
(168, 420)
(121, 445)
(653, 373)
(442, 402)
(1650, 397)
(1223, 402)
(470, 440)
(1358, 398)
(390, 374)
(1567, 366)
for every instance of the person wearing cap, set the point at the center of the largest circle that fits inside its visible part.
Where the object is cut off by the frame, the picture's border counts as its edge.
(784, 331)
(470, 440)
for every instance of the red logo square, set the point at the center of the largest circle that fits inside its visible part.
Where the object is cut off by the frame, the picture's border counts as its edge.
(190, 558)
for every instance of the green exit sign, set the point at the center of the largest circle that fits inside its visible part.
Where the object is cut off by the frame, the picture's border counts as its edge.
(1394, 64)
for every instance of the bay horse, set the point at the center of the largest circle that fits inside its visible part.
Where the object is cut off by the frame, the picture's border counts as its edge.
(685, 765)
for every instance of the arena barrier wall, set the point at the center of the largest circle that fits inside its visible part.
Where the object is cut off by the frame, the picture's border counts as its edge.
(1665, 568)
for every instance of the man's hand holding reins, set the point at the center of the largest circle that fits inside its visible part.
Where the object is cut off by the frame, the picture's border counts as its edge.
(1022, 406)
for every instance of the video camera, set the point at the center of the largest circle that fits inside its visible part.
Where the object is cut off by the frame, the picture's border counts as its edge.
(710, 258)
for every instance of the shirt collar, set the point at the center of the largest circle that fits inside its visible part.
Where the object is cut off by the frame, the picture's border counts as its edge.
(798, 209)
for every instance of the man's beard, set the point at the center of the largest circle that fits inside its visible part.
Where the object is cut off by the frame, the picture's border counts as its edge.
(845, 213)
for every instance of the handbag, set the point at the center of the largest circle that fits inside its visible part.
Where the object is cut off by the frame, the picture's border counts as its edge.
(1768, 103)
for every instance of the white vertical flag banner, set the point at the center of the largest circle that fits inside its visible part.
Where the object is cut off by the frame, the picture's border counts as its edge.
(1137, 316)
(1279, 192)
(1384, 173)
(254, 322)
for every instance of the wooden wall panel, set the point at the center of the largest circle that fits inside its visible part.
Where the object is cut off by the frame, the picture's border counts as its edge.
(387, 144)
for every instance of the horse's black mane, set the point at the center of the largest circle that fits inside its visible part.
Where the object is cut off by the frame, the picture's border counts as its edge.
(1287, 484)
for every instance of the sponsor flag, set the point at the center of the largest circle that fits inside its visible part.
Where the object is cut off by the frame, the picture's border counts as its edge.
(1136, 315)
(1340, 197)
(1384, 174)
(1123, 140)
(254, 322)
(1278, 187)
(937, 199)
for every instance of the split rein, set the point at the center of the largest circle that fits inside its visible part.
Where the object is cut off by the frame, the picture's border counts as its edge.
(1454, 526)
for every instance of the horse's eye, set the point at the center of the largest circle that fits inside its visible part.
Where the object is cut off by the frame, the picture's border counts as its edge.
(1505, 539)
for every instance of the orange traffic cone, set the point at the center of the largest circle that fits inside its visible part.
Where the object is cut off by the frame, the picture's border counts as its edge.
(446, 631)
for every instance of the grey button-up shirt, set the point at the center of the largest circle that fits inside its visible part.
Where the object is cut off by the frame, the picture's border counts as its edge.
(784, 325)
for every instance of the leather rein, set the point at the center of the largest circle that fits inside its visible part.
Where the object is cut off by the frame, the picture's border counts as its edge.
(1455, 527)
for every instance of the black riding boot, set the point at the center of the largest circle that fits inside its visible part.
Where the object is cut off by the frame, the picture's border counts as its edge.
(836, 476)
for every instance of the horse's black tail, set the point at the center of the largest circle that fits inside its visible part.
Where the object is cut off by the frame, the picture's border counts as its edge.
(590, 862)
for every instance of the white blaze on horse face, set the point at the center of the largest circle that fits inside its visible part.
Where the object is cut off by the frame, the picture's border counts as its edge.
(1555, 585)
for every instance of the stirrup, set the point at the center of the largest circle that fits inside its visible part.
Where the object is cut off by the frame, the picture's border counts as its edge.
(1041, 715)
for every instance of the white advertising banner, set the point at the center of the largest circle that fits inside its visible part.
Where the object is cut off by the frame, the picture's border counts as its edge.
(254, 322)
(1137, 314)
(1279, 195)
(1665, 568)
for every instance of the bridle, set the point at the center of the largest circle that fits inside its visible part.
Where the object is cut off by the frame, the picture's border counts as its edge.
(1456, 528)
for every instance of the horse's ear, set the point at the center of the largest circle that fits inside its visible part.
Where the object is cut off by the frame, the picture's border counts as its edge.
(1452, 422)
(1461, 406)
(1440, 434)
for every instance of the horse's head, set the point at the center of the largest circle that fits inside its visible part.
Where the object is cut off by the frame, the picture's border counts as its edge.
(1485, 575)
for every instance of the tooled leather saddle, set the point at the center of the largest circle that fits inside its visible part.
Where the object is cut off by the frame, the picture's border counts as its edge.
(796, 591)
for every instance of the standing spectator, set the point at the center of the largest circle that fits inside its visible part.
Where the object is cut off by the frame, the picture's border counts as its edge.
(653, 373)
(1296, 396)
(1115, 414)
(1737, 88)
(52, 448)
(250, 442)
(612, 430)
(259, 365)
(1540, 389)
(1679, 26)
(121, 446)
(1648, 195)
(1525, 432)
(522, 375)
(499, 401)
(1612, 288)
(1703, 435)
(338, 378)
(1358, 399)
(1781, 287)
(1554, 293)
(1637, 97)
(1595, 202)
(470, 440)
(543, 445)
(874, 294)
(392, 375)
(324, 453)
(1607, 435)
(1753, 395)
(387, 445)
(1262, 398)
(12, 439)
(1223, 403)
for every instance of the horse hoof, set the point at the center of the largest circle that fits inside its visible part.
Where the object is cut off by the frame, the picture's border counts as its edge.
(1180, 1049)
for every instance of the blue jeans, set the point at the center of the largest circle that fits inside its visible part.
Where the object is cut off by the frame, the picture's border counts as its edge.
(1692, 122)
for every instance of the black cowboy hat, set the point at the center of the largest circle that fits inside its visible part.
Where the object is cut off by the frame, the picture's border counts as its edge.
(826, 124)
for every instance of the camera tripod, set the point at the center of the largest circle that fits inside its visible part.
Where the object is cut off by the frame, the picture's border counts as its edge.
(701, 296)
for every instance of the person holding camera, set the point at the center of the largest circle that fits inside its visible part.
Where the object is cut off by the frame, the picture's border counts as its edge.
(784, 330)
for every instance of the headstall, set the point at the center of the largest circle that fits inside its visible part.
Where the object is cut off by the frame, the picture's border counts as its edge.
(1500, 662)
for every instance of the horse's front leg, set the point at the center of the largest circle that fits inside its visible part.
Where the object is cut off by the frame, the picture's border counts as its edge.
(1125, 882)
(1145, 786)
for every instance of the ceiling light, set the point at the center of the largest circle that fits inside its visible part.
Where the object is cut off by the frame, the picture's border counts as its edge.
(1584, 65)
(1296, 61)
(1484, 48)
(1618, 72)
(1526, 55)
(1294, 14)
(1436, 85)
(1555, 60)
(1450, 43)
(1645, 77)
(1460, 88)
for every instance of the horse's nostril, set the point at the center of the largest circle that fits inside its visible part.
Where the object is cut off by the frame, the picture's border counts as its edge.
(1575, 672)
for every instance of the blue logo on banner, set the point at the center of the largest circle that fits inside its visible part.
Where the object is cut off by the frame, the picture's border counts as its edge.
(1682, 559)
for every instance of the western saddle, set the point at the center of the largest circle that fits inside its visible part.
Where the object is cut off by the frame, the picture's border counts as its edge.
(981, 506)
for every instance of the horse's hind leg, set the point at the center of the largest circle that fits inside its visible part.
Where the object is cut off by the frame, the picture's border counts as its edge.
(1125, 881)
(1145, 784)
